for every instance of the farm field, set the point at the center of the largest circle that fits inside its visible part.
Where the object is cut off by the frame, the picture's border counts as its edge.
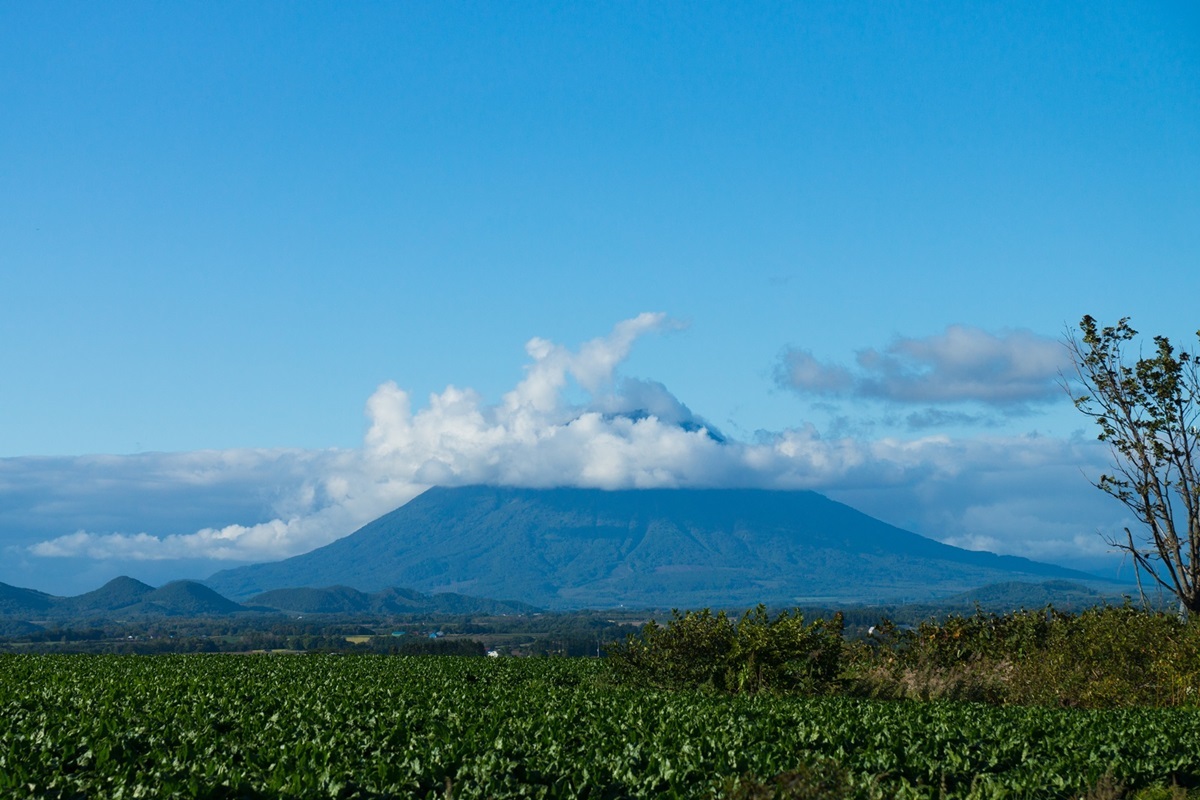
(377, 726)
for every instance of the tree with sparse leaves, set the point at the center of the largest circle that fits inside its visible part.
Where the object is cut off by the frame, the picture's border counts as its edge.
(1147, 410)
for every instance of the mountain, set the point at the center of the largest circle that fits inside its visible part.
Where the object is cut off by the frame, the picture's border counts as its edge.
(578, 548)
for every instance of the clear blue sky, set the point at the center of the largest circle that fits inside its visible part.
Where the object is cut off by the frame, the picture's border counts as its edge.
(224, 225)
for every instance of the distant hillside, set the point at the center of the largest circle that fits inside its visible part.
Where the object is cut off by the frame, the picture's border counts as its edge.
(344, 600)
(120, 597)
(18, 602)
(125, 598)
(576, 548)
(1017, 595)
(331, 600)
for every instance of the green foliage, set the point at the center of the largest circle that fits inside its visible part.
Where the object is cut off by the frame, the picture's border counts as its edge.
(1103, 657)
(819, 780)
(329, 726)
(1111, 657)
(758, 653)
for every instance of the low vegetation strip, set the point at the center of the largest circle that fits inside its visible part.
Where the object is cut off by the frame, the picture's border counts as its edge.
(376, 726)
(1103, 657)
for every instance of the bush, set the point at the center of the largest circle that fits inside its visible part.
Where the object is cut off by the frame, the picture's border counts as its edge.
(758, 653)
(1108, 657)
(1104, 657)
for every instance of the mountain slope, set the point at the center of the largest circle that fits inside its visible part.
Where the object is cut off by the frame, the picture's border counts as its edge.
(570, 548)
(18, 602)
(344, 600)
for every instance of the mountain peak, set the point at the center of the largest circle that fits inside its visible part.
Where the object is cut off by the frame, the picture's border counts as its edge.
(572, 548)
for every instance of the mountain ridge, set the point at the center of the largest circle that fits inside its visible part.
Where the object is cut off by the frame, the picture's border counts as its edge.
(569, 548)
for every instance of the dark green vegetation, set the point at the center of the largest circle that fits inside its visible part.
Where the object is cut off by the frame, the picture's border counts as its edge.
(757, 653)
(578, 634)
(373, 726)
(646, 548)
(1102, 704)
(1103, 657)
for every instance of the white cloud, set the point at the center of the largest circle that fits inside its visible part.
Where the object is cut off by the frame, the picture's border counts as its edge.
(1014, 494)
(1008, 370)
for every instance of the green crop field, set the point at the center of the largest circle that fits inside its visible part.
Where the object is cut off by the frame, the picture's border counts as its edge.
(376, 726)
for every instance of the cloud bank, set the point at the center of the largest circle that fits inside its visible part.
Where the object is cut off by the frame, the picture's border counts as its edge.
(1021, 495)
(1008, 371)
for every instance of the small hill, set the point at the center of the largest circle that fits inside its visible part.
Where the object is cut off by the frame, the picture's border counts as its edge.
(115, 595)
(1017, 595)
(185, 598)
(688, 548)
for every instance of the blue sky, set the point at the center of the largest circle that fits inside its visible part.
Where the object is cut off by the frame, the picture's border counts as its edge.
(225, 227)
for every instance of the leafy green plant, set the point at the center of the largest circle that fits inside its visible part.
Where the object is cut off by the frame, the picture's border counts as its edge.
(367, 727)
(819, 780)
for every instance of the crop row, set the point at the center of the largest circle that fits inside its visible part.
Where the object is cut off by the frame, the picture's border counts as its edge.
(373, 726)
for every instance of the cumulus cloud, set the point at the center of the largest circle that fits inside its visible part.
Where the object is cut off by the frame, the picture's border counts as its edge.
(633, 433)
(1007, 370)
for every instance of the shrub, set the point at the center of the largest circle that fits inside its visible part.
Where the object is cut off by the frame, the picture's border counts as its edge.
(758, 653)
(1104, 657)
